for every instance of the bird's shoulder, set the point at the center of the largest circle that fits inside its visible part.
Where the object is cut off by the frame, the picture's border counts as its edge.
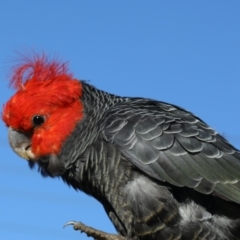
(175, 146)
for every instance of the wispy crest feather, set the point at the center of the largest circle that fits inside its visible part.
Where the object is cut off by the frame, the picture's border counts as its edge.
(37, 68)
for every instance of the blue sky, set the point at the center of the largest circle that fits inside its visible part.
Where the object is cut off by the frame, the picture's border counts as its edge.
(183, 52)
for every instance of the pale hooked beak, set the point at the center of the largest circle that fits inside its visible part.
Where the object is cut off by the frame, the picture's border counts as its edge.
(20, 144)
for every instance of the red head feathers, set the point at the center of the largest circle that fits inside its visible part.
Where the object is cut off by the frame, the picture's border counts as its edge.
(44, 88)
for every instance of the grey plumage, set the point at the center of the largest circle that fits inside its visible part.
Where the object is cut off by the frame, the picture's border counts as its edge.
(159, 171)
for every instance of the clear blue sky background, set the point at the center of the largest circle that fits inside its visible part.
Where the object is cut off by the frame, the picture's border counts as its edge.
(182, 52)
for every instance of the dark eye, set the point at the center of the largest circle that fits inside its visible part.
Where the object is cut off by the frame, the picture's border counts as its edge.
(38, 120)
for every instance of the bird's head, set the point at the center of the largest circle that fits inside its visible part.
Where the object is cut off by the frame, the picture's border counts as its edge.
(45, 108)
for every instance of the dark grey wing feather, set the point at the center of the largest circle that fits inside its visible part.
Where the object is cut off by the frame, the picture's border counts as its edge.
(172, 145)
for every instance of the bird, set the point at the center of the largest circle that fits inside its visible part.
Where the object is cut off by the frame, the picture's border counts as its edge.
(160, 172)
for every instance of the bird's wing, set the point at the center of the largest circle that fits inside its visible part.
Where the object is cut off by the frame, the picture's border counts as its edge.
(174, 146)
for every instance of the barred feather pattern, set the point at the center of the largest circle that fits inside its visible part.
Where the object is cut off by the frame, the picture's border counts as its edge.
(159, 171)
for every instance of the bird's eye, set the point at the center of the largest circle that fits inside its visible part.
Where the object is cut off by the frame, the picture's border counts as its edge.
(38, 120)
